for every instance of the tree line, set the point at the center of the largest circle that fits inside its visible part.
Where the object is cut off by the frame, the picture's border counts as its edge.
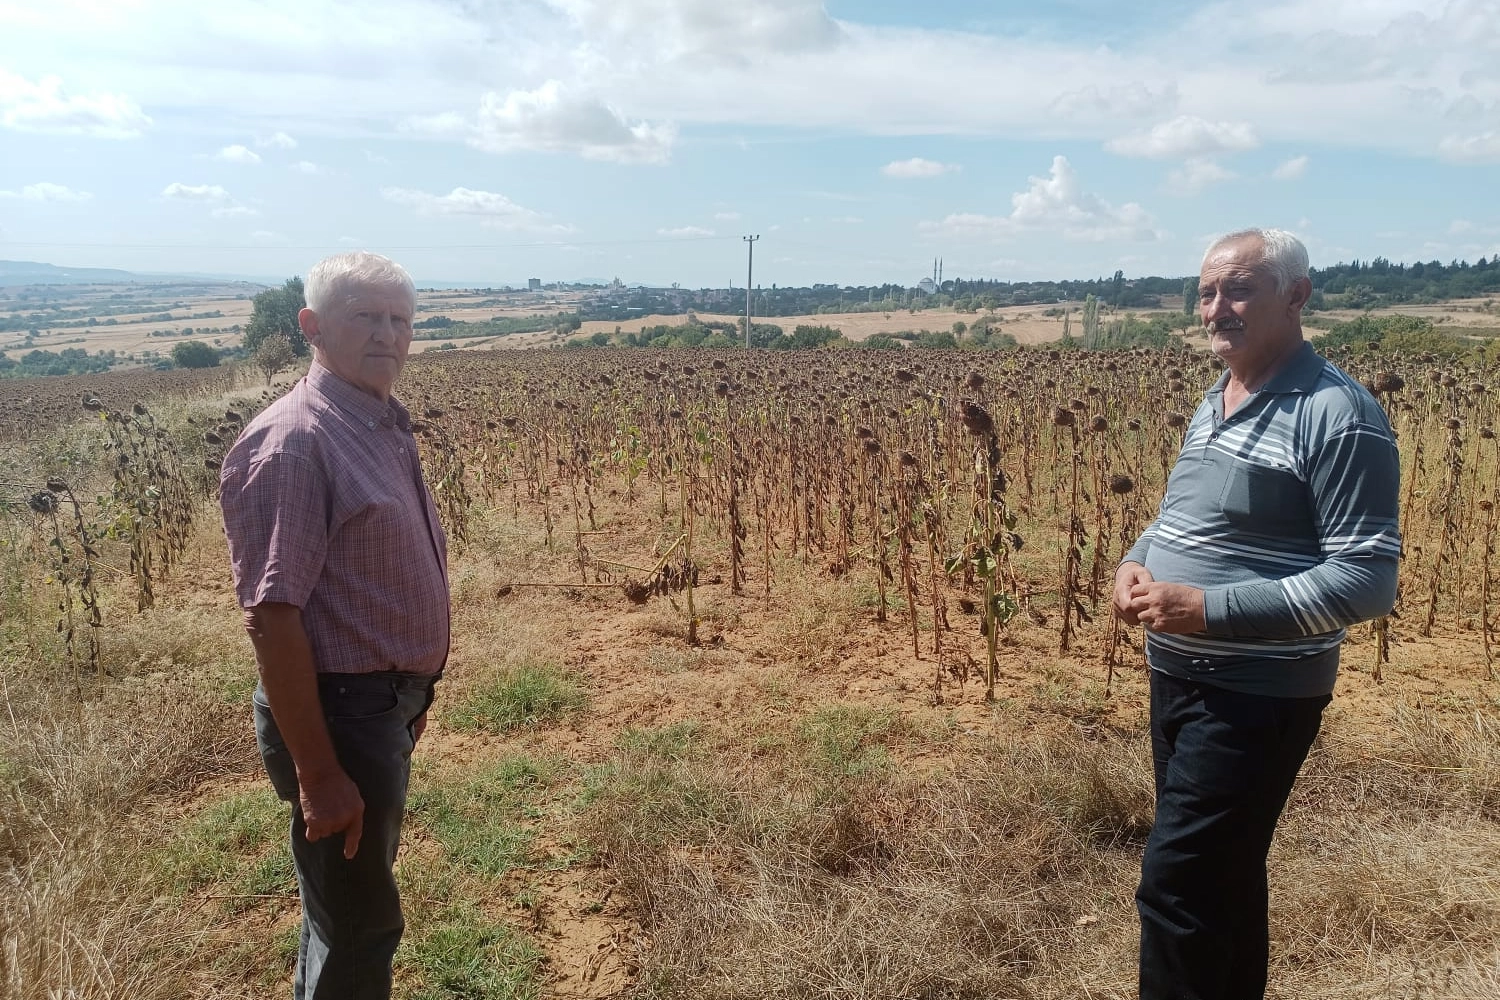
(1368, 284)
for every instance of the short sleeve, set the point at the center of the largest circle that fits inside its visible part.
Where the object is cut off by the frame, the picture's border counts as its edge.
(276, 520)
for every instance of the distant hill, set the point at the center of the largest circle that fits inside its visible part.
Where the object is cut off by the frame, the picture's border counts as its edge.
(30, 272)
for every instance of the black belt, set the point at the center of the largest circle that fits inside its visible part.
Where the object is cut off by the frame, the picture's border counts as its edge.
(380, 679)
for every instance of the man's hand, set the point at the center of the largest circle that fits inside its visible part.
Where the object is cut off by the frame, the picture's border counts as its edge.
(333, 805)
(330, 801)
(418, 728)
(1127, 577)
(1173, 608)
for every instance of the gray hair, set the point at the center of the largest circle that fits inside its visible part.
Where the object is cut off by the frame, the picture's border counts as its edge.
(1281, 253)
(332, 275)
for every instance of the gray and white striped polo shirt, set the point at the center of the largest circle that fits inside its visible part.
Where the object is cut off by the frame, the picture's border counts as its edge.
(1285, 515)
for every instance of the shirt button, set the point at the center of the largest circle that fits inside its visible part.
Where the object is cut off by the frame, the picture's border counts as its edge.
(370, 424)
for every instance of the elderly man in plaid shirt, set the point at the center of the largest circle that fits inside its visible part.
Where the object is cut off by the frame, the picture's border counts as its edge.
(340, 566)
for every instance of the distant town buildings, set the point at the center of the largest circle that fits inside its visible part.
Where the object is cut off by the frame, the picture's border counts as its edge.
(533, 284)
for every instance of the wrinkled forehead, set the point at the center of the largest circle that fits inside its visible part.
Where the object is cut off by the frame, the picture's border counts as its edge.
(355, 293)
(1240, 259)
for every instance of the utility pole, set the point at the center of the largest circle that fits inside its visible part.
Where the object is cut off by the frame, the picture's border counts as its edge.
(749, 282)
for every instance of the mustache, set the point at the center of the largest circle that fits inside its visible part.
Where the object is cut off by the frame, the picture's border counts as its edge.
(1214, 326)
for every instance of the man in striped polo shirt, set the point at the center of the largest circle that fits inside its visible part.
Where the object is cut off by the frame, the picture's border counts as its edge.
(1278, 529)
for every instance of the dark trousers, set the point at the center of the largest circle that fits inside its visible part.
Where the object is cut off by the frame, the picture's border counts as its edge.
(351, 910)
(1225, 763)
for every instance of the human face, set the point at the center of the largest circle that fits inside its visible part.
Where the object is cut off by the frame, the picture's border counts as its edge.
(1251, 326)
(363, 338)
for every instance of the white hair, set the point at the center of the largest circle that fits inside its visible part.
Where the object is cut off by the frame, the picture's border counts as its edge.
(334, 274)
(1281, 253)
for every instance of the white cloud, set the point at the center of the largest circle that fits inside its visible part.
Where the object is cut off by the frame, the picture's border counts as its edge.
(350, 241)
(1131, 100)
(224, 207)
(237, 154)
(448, 125)
(45, 107)
(685, 231)
(552, 119)
(1291, 170)
(1481, 148)
(307, 167)
(267, 236)
(195, 192)
(704, 31)
(1198, 173)
(47, 191)
(726, 216)
(917, 167)
(1468, 108)
(847, 220)
(1185, 137)
(834, 82)
(785, 63)
(276, 140)
(1055, 203)
(1467, 227)
(491, 209)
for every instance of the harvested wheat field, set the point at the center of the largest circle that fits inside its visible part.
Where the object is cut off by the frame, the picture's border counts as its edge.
(1026, 324)
(774, 675)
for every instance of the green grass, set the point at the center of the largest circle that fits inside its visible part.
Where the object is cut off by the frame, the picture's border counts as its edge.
(238, 845)
(843, 741)
(264, 957)
(462, 953)
(671, 742)
(659, 787)
(481, 820)
(526, 695)
(236, 686)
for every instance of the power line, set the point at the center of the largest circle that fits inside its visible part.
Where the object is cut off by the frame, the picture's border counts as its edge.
(387, 246)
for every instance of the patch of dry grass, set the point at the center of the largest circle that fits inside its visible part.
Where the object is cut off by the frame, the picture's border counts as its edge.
(814, 620)
(1386, 869)
(82, 786)
(1012, 873)
(820, 869)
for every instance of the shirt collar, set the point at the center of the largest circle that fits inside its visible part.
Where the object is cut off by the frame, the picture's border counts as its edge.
(1300, 374)
(356, 402)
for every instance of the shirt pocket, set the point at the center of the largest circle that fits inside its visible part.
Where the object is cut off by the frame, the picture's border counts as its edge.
(1266, 500)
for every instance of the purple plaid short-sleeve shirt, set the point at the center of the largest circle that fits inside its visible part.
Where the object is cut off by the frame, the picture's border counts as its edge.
(325, 509)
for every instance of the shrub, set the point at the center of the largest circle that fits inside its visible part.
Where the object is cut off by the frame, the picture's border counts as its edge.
(194, 354)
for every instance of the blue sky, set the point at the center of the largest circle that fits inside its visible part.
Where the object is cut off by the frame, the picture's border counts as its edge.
(489, 141)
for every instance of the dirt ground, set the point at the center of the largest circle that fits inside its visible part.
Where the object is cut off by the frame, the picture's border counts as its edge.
(765, 661)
